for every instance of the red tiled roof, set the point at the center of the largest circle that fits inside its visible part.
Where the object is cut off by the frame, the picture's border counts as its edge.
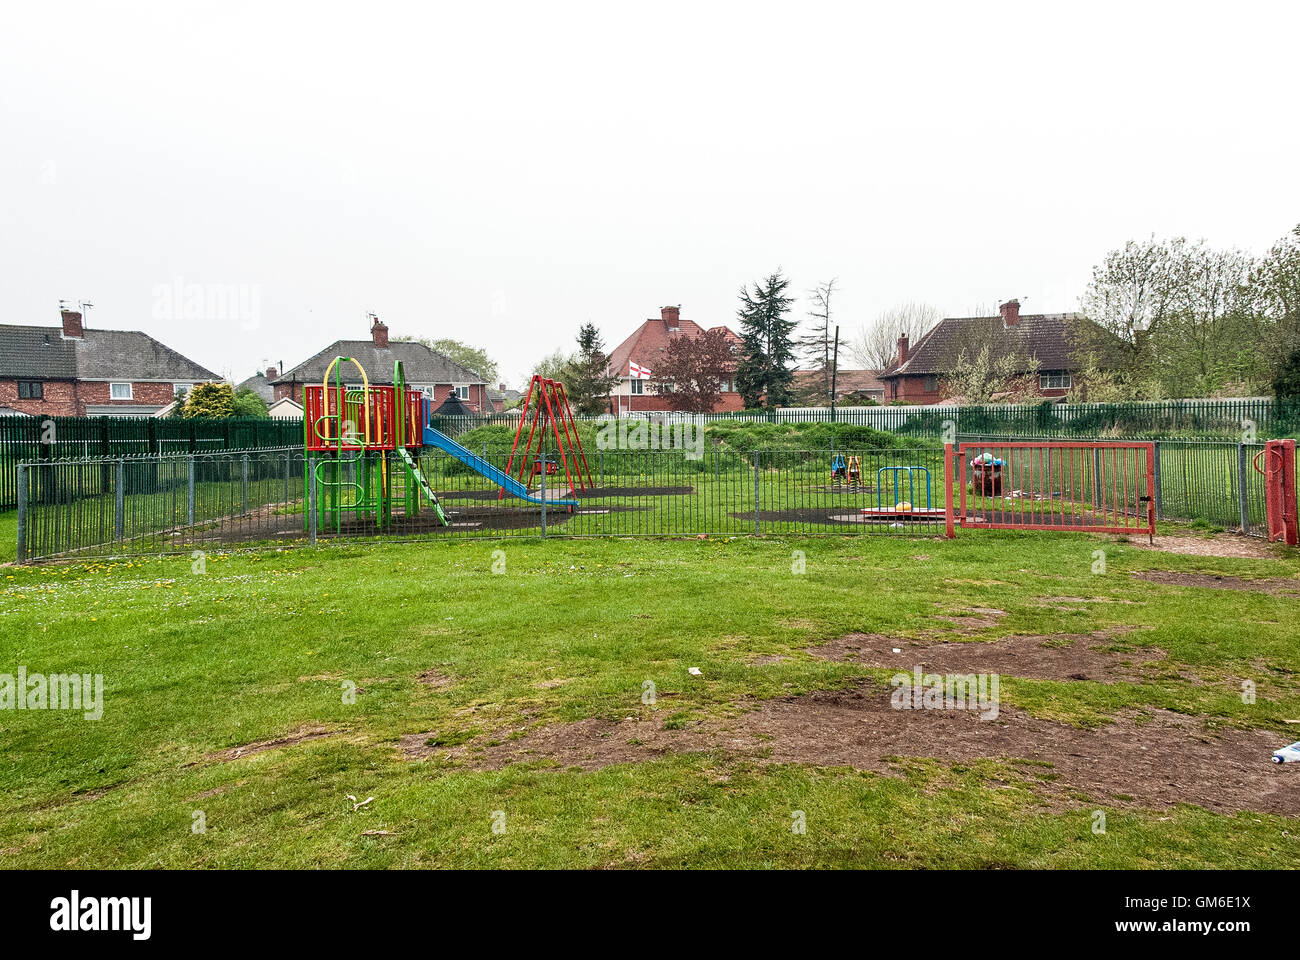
(649, 342)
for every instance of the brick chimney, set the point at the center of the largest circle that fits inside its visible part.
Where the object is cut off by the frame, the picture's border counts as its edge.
(72, 329)
(379, 333)
(902, 350)
(671, 316)
(1010, 313)
(272, 373)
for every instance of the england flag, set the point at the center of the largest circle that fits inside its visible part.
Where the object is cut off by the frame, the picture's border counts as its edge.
(638, 372)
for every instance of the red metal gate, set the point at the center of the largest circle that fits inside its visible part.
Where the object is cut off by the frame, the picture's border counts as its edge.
(1280, 490)
(1066, 485)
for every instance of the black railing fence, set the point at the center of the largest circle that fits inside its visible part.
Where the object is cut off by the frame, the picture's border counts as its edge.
(39, 438)
(96, 507)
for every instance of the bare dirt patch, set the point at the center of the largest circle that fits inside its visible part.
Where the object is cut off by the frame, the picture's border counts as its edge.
(435, 679)
(1150, 761)
(1215, 581)
(1225, 545)
(1062, 657)
(971, 620)
(300, 735)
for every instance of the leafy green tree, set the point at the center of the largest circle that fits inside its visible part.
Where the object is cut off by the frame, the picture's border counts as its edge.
(178, 410)
(764, 374)
(978, 375)
(1286, 378)
(471, 358)
(1275, 295)
(588, 378)
(555, 366)
(1180, 313)
(249, 404)
(210, 400)
(692, 370)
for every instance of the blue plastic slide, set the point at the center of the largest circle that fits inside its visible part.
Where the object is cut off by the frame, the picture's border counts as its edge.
(436, 438)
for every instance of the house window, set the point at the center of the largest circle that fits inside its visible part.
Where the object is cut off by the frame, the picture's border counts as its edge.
(179, 388)
(638, 388)
(1054, 381)
(119, 391)
(460, 393)
(931, 383)
(31, 390)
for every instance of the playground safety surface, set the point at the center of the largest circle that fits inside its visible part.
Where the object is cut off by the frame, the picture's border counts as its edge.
(595, 493)
(849, 515)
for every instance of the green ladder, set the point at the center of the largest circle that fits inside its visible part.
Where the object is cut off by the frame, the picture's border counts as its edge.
(413, 470)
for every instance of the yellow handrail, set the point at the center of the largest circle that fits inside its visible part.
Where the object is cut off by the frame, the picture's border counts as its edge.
(365, 396)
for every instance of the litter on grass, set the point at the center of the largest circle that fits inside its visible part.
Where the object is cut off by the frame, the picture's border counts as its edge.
(1289, 754)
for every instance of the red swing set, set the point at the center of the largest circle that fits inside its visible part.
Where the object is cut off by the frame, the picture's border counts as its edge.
(549, 403)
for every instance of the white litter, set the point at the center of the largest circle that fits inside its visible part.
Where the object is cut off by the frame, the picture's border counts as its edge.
(1289, 754)
(898, 649)
(694, 671)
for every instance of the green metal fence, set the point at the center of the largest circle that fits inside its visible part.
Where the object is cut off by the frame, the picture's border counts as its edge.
(151, 504)
(210, 502)
(63, 438)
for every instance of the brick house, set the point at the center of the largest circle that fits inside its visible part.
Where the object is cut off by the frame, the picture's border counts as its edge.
(918, 375)
(74, 371)
(425, 369)
(260, 384)
(501, 397)
(644, 349)
(851, 386)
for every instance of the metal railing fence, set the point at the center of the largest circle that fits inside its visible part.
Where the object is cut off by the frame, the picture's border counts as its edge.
(159, 504)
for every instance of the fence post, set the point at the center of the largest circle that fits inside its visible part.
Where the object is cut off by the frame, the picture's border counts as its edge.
(119, 502)
(756, 522)
(948, 515)
(189, 499)
(1243, 502)
(22, 513)
(543, 489)
(287, 470)
(244, 483)
(1155, 466)
(310, 474)
(1096, 476)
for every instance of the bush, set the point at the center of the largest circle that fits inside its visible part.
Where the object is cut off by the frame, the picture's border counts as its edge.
(210, 400)
(745, 438)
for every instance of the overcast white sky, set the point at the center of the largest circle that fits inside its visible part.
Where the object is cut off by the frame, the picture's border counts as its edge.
(501, 173)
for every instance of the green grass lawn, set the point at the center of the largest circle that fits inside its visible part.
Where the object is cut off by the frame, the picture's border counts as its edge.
(261, 645)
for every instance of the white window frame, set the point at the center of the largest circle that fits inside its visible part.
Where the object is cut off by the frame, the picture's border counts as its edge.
(460, 391)
(178, 387)
(636, 387)
(112, 390)
(1058, 380)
